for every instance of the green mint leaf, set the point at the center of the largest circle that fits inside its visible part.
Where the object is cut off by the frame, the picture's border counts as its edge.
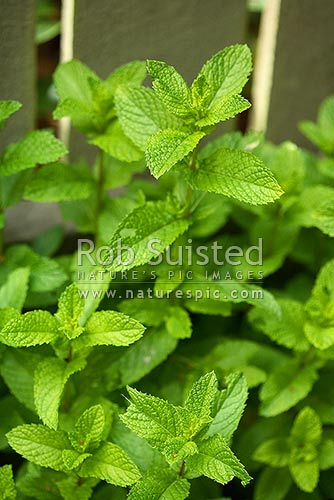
(216, 461)
(275, 452)
(7, 314)
(237, 174)
(321, 134)
(305, 474)
(40, 445)
(288, 165)
(11, 416)
(114, 142)
(223, 109)
(319, 327)
(31, 328)
(209, 306)
(7, 485)
(286, 328)
(7, 108)
(70, 309)
(49, 241)
(201, 396)
(152, 350)
(118, 174)
(49, 382)
(326, 454)
(59, 182)
(72, 81)
(313, 133)
(37, 482)
(111, 328)
(111, 464)
(88, 429)
(74, 85)
(73, 489)
(50, 377)
(326, 116)
(142, 114)
(201, 93)
(326, 166)
(14, 291)
(72, 459)
(91, 302)
(37, 147)
(273, 484)
(171, 428)
(304, 438)
(139, 228)
(17, 369)
(314, 208)
(168, 147)
(152, 418)
(160, 484)
(178, 323)
(165, 281)
(178, 449)
(256, 295)
(87, 100)
(170, 87)
(11, 190)
(306, 428)
(76, 365)
(83, 116)
(132, 73)
(45, 274)
(227, 71)
(144, 456)
(249, 357)
(231, 405)
(231, 140)
(286, 385)
(150, 312)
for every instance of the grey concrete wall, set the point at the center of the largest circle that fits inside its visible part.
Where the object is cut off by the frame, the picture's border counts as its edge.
(304, 66)
(18, 65)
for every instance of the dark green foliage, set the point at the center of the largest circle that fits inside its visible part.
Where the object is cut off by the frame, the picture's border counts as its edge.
(237, 346)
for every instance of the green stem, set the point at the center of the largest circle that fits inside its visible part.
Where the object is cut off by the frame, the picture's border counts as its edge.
(308, 357)
(189, 194)
(67, 391)
(182, 469)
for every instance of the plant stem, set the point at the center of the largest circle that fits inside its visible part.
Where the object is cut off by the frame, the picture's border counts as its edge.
(67, 395)
(182, 469)
(193, 158)
(308, 357)
(189, 193)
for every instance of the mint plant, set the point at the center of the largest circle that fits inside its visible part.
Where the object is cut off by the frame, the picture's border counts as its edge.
(169, 122)
(80, 451)
(17, 160)
(321, 133)
(188, 436)
(126, 362)
(304, 452)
